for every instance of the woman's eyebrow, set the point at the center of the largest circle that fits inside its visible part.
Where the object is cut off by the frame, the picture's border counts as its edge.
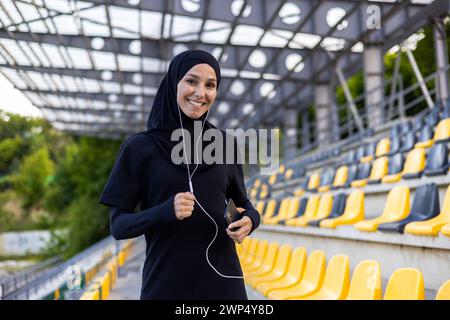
(196, 76)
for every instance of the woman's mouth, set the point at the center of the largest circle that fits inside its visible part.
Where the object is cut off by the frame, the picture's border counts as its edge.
(195, 103)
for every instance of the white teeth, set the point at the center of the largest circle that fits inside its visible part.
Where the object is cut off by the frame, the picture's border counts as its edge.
(195, 103)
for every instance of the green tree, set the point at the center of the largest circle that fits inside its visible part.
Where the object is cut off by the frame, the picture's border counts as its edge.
(34, 174)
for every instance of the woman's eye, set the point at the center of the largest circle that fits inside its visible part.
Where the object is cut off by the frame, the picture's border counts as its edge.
(190, 81)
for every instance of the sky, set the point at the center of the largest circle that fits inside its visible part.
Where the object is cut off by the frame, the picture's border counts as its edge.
(12, 100)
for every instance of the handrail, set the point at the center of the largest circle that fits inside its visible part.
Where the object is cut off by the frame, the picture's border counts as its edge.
(54, 276)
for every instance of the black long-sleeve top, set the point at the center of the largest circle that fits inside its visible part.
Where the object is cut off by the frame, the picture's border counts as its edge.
(175, 265)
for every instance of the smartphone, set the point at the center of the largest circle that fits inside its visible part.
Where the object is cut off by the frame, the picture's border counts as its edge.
(231, 214)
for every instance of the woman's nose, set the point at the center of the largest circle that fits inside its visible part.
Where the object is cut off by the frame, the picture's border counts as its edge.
(200, 92)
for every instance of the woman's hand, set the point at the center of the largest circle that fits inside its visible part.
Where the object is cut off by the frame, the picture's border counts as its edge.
(183, 205)
(244, 224)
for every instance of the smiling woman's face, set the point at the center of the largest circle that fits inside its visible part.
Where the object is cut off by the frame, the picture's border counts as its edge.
(197, 90)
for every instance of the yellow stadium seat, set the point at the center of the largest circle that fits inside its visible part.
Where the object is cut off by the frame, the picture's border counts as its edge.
(446, 230)
(379, 170)
(405, 284)
(279, 269)
(366, 281)
(242, 248)
(273, 179)
(354, 211)
(260, 206)
(249, 252)
(299, 192)
(322, 212)
(270, 209)
(383, 147)
(310, 212)
(341, 177)
(280, 214)
(414, 165)
(282, 169)
(253, 193)
(293, 275)
(257, 183)
(311, 280)
(335, 283)
(396, 208)
(288, 174)
(268, 263)
(442, 132)
(256, 258)
(314, 181)
(264, 191)
(444, 292)
(433, 226)
(289, 212)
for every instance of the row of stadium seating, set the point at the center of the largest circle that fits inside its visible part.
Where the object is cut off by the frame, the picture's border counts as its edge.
(423, 217)
(283, 273)
(403, 155)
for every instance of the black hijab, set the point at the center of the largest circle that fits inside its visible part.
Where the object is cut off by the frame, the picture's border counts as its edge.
(164, 117)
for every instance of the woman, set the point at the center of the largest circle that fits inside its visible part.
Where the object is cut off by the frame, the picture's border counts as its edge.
(176, 228)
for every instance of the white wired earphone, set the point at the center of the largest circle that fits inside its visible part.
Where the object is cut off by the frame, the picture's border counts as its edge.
(195, 199)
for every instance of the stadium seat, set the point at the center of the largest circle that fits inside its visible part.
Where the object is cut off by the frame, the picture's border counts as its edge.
(260, 206)
(249, 252)
(276, 214)
(366, 281)
(278, 270)
(425, 206)
(405, 284)
(310, 211)
(363, 175)
(284, 211)
(256, 258)
(395, 169)
(354, 211)
(264, 191)
(268, 262)
(442, 133)
(272, 208)
(432, 118)
(300, 211)
(383, 147)
(360, 153)
(425, 138)
(326, 180)
(350, 158)
(404, 128)
(395, 209)
(289, 174)
(395, 145)
(314, 182)
(379, 170)
(414, 164)
(433, 226)
(293, 275)
(341, 177)
(336, 211)
(311, 281)
(408, 142)
(444, 292)
(418, 123)
(322, 212)
(335, 283)
(446, 230)
(437, 160)
(369, 153)
(352, 174)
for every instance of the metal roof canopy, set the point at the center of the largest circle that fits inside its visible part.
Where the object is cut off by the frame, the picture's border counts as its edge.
(93, 66)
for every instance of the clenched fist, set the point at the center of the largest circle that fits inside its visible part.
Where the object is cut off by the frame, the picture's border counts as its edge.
(183, 205)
